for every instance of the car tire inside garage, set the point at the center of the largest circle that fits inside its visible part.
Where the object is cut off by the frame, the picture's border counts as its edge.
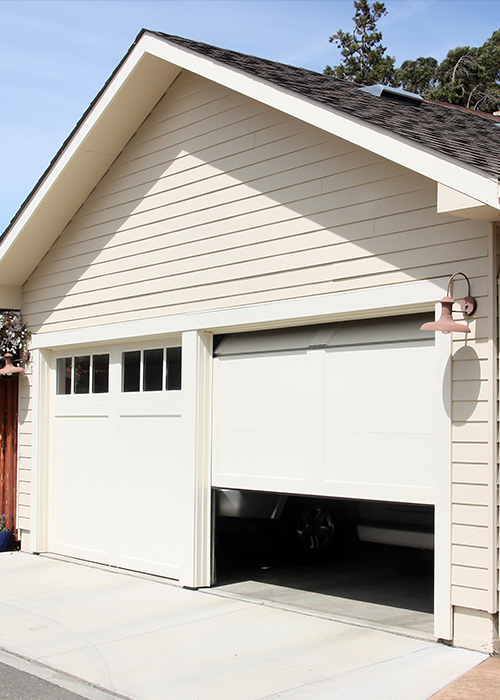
(313, 530)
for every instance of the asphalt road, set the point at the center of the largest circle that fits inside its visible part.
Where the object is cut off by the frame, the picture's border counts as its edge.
(19, 685)
(24, 680)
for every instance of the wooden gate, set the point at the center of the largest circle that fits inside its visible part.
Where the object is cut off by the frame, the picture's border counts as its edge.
(9, 387)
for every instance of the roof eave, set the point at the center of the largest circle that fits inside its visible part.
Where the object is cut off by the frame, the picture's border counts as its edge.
(93, 145)
(456, 203)
(136, 86)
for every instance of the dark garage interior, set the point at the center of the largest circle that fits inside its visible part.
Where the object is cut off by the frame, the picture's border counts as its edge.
(368, 583)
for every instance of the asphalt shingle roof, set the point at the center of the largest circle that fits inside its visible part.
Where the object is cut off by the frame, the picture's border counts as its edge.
(471, 137)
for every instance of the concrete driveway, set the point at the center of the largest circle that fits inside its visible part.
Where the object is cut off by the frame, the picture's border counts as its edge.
(147, 639)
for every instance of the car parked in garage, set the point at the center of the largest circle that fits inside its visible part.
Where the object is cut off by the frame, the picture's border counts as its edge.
(316, 527)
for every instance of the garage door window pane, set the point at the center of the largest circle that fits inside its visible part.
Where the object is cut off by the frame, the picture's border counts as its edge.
(82, 374)
(131, 380)
(153, 370)
(174, 361)
(64, 375)
(100, 374)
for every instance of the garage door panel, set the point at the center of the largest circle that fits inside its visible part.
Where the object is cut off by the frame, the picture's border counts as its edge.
(150, 403)
(84, 469)
(153, 549)
(150, 464)
(150, 435)
(148, 493)
(279, 394)
(401, 462)
(116, 473)
(84, 432)
(350, 413)
(81, 535)
(87, 485)
(386, 389)
(269, 455)
(379, 419)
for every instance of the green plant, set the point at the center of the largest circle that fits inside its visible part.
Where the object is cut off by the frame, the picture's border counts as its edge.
(3, 526)
(14, 335)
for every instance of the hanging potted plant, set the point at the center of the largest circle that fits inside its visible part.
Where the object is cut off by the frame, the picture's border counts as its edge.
(5, 534)
(14, 338)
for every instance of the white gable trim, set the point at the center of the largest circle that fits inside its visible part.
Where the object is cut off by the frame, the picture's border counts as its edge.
(131, 94)
(140, 81)
(449, 201)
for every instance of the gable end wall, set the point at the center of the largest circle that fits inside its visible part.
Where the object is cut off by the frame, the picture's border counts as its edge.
(220, 201)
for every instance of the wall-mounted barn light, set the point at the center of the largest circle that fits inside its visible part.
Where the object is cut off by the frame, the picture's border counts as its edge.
(446, 324)
(9, 368)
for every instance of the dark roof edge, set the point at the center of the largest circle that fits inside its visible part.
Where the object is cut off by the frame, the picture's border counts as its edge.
(467, 110)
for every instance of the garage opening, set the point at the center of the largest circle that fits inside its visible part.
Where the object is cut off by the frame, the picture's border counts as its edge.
(359, 561)
(324, 425)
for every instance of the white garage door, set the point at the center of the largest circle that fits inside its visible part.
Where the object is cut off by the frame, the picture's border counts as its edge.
(343, 410)
(116, 457)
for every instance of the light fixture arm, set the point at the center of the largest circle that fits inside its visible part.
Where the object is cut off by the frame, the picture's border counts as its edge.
(468, 303)
(446, 324)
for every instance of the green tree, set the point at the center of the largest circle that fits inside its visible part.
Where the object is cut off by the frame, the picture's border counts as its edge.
(363, 56)
(417, 76)
(470, 76)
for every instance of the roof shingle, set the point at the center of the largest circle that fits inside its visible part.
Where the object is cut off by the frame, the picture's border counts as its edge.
(471, 137)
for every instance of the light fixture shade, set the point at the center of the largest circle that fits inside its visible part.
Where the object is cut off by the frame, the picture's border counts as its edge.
(9, 368)
(445, 323)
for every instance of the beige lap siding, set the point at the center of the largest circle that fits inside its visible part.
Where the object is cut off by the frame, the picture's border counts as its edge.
(24, 453)
(220, 201)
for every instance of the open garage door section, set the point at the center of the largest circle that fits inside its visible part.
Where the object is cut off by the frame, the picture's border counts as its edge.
(352, 410)
(344, 410)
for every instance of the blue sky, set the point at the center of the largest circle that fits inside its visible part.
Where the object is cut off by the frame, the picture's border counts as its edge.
(55, 55)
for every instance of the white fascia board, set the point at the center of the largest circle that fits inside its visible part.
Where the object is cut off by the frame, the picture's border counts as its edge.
(382, 142)
(131, 94)
(409, 297)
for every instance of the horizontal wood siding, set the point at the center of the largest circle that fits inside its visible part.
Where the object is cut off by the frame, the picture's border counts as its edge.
(24, 452)
(220, 201)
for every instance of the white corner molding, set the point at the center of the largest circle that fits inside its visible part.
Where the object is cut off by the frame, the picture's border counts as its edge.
(40, 451)
(443, 612)
(195, 566)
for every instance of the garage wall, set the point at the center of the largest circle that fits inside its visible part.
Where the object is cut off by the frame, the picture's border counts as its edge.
(219, 201)
(474, 454)
(24, 457)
